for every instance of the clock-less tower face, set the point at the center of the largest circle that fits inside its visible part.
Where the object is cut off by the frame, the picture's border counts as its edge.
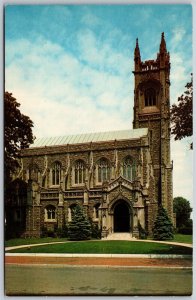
(151, 110)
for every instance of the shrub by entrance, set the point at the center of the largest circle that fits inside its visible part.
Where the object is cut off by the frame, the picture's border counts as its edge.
(79, 228)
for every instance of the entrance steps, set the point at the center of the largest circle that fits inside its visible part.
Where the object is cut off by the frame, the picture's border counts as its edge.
(119, 236)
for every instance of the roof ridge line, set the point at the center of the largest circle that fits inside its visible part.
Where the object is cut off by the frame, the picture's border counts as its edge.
(89, 137)
(88, 133)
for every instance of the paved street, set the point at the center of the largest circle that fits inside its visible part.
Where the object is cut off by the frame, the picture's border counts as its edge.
(96, 280)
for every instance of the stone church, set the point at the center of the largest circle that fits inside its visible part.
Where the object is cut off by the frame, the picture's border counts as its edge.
(119, 177)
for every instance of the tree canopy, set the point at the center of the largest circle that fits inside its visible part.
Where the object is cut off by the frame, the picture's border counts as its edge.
(182, 114)
(17, 132)
(183, 211)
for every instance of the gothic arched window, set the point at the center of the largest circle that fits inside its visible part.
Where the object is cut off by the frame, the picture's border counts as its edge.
(150, 97)
(33, 172)
(103, 170)
(56, 173)
(128, 168)
(50, 213)
(79, 172)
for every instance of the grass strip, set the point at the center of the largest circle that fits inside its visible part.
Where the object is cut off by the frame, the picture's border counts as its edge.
(28, 241)
(181, 238)
(107, 247)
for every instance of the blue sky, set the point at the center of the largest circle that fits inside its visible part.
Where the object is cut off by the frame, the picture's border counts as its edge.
(71, 66)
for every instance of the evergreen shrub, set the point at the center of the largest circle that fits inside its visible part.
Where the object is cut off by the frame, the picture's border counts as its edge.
(79, 228)
(96, 232)
(163, 227)
(61, 232)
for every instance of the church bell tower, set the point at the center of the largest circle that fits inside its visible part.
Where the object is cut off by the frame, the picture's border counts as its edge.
(152, 111)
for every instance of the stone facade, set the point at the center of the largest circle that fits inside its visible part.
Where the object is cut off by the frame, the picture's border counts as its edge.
(119, 181)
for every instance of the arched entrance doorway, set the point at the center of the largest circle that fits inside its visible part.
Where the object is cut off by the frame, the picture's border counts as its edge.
(121, 217)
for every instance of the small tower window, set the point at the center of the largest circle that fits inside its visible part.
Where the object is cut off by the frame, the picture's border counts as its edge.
(150, 97)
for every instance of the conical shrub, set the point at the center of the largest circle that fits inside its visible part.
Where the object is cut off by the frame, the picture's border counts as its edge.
(163, 227)
(79, 228)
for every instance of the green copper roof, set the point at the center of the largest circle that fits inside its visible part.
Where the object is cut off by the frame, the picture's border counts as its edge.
(90, 137)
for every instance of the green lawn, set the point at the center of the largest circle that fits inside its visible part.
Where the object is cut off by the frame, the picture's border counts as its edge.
(28, 241)
(183, 238)
(114, 247)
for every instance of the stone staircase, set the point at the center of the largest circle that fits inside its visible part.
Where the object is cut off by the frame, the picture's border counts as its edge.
(119, 236)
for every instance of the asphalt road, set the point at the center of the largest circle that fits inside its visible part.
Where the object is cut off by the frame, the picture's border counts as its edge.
(82, 280)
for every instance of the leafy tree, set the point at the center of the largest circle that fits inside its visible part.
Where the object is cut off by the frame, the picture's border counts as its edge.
(182, 114)
(183, 211)
(163, 227)
(18, 133)
(79, 228)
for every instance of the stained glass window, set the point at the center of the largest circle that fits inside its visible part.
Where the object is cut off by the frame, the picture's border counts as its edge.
(103, 170)
(129, 168)
(56, 173)
(79, 172)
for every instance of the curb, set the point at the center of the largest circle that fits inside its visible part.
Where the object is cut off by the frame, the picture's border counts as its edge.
(99, 266)
(68, 255)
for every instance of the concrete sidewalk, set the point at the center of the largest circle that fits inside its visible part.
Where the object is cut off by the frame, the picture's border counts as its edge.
(98, 255)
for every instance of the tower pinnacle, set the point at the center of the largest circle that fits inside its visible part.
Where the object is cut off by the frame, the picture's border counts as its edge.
(137, 57)
(163, 44)
(137, 50)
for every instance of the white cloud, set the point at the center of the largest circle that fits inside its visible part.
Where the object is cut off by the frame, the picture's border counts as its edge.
(62, 94)
(181, 63)
(182, 169)
(101, 54)
(90, 19)
(178, 34)
(179, 76)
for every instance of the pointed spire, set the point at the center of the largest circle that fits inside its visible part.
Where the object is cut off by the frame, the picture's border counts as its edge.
(163, 44)
(137, 50)
(137, 57)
